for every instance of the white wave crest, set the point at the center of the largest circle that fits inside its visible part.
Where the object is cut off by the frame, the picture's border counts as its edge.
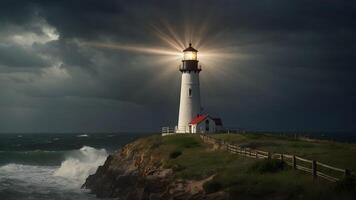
(72, 173)
(80, 164)
(53, 182)
(83, 135)
(38, 182)
(27, 175)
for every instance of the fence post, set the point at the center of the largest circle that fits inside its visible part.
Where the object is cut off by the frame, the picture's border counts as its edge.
(294, 162)
(269, 155)
(314, 169)
(347, 173)
(282, 157)
(256, 154)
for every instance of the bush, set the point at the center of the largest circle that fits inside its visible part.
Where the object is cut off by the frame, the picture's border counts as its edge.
(175, 154)
(212, 186)
(266, 166)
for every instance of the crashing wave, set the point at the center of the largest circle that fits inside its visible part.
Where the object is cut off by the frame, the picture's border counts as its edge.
(72, 173)
(18, 181)
(80, 164)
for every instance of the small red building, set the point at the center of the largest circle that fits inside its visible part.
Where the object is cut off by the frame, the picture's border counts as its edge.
(205, 124)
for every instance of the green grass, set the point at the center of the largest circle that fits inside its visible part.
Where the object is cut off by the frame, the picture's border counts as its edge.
(336, 154)
(247, 178)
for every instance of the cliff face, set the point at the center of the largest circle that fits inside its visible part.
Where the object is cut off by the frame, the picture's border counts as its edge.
(135, 172)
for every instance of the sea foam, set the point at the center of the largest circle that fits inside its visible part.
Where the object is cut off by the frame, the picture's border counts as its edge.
(77, 166)
(81, 163)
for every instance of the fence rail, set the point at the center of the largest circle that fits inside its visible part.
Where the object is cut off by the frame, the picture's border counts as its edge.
(167, 131)
(313, 167)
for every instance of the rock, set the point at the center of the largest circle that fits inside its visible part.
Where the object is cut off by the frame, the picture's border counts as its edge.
(133, 174)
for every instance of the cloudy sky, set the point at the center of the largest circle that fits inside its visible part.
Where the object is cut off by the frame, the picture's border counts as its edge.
(68, 66)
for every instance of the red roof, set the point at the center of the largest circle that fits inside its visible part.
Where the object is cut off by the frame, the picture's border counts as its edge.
(198, 119)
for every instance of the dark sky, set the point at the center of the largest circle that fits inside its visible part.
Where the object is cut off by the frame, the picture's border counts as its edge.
(290, 65)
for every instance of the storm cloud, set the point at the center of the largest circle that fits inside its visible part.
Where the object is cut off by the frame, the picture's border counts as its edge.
(293, 65)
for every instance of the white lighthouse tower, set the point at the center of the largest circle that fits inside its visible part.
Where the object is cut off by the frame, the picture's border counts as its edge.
(189, 107)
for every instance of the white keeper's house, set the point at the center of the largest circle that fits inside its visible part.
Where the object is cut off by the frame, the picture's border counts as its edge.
(191, 119)
(205, 124)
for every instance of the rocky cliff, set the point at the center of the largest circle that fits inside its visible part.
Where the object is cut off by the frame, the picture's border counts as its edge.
(137, 172)
(185, 167)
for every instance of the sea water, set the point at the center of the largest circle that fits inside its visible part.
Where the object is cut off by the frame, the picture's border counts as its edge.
(53, 166)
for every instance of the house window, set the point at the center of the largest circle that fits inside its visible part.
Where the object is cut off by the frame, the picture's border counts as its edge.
(207, 125)
(190, 92)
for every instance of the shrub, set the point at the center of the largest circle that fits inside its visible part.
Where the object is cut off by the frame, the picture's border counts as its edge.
(266, 166)
(212, 186)
(175, 154)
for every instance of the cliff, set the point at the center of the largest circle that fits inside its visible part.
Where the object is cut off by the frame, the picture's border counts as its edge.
(183, 167)
(139, 171)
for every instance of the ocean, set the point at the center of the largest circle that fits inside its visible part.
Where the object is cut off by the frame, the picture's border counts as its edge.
(53, 166)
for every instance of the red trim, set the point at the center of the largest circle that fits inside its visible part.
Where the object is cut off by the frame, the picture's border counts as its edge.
(198, 119)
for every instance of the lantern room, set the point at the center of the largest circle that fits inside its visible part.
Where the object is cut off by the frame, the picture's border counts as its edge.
(190, 60)
(190, 53)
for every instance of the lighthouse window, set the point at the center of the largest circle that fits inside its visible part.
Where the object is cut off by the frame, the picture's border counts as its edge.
(190, 92)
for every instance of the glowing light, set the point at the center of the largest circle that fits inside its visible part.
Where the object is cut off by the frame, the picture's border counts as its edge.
(190, 55)
(216, 54)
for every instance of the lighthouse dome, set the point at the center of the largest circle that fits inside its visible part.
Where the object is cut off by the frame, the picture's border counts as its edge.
(190, 48)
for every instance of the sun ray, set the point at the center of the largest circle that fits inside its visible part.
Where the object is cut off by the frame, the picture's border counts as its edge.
(215, 54)
(134, 48)
(175, 35)
(171, 41)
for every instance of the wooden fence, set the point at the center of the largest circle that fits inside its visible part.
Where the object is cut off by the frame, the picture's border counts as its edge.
(313, 167)
(167, 131)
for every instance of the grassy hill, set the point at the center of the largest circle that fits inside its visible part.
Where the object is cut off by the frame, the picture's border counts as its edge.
(248, 178)
(336, 154)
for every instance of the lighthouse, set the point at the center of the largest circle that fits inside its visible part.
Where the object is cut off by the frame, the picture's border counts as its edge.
(191, 119)
(189, 107)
